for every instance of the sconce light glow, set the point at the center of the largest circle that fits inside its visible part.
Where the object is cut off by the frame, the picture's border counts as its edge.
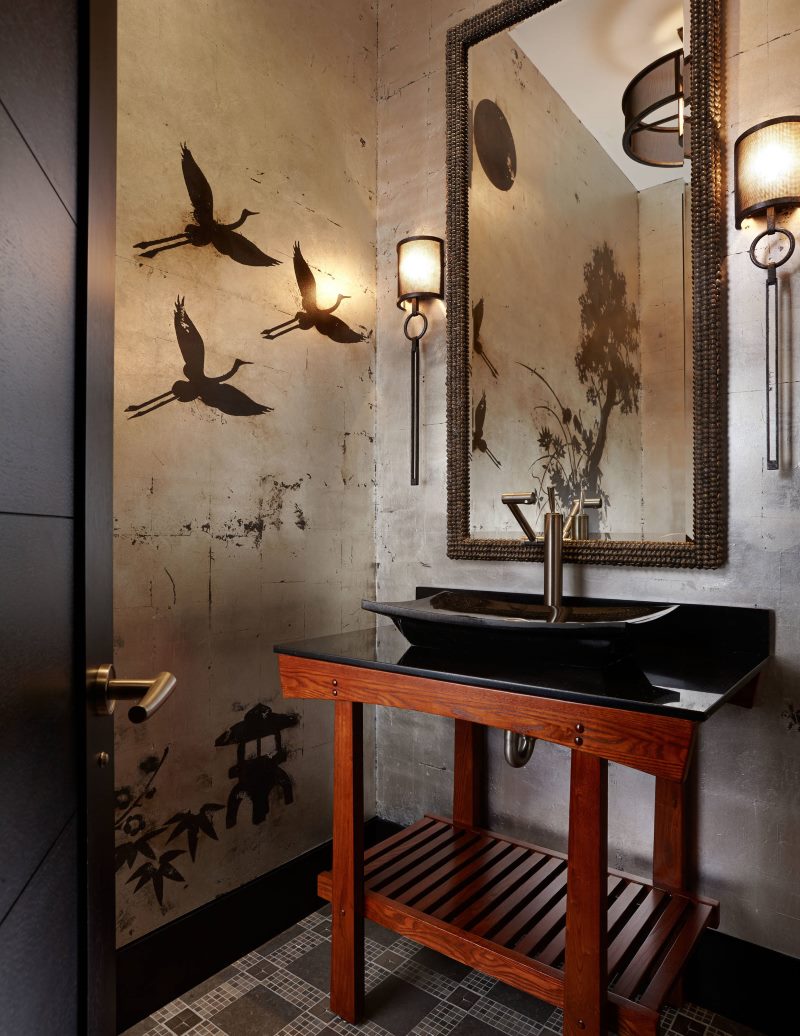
(420, 275)
(766, 163)
(767, 167)
(420, 268)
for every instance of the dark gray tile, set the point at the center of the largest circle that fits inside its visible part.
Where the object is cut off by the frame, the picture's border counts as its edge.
(442, 965)
(260, 1012)
(322, 1010)
(687, 1026)
(390, 960)
(397, 1006)
(183, 1022)
(731, 1028)
(210, 983)
(521, 1002)
(379, 934)
(463, 998)
(314, 967)
(470, 1026)
(262, 970)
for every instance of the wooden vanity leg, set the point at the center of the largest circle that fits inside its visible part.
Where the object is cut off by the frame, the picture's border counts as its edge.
(670, 862)
(669, 835)
(585, 980)
(468, 774)
(347, 900)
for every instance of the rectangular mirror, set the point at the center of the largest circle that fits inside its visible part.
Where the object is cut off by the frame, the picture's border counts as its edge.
(584, 230)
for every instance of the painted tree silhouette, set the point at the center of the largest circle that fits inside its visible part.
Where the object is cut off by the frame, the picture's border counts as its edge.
(572, 443)
(605, 357)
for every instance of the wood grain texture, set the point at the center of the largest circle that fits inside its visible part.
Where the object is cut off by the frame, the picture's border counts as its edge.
(660, 745)
(347, 901)
(497, 895)
(586, 934)
(468, 774)
(669, 834)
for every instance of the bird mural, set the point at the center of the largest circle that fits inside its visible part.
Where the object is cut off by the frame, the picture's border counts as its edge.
(211, 391)
(312, 314)
(206, 230)
(478, 441)
(477, 344)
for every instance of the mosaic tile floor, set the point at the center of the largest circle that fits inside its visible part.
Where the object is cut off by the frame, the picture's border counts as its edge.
(280, 989)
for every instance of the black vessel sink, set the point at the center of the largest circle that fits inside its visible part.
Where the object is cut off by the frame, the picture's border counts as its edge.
(474, 620)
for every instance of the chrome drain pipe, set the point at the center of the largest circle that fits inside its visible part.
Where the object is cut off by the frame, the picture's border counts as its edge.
(518, 748)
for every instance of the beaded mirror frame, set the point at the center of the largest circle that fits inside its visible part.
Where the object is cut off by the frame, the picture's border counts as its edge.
(707, 548)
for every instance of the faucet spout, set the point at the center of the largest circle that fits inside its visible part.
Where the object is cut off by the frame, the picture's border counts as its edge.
(553, 559)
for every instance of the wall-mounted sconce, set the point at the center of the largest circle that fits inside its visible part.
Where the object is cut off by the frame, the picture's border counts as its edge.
(657, 127)
(766, 161)
(420, 275)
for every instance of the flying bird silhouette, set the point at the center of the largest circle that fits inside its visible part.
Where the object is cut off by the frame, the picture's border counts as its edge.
(207, 230)
(312, 314)
(478, 441)
(477, 344)
(211, 391)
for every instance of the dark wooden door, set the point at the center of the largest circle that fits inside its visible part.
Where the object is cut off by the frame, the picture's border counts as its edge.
(57, 148)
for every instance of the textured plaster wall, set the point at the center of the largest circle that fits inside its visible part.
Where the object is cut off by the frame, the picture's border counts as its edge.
(528, 249)
(748, 763)
(235, 532)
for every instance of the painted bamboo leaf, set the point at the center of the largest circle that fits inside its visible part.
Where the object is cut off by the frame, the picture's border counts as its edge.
(127, 852)
(193, 824)
(155, 875)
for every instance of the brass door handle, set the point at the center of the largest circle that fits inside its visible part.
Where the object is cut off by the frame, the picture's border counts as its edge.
(106, 691)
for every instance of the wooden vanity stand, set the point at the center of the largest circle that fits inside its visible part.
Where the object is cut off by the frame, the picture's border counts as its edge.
(606, 946)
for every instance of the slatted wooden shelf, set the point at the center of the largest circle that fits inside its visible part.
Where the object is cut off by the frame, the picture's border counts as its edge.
(500, 905)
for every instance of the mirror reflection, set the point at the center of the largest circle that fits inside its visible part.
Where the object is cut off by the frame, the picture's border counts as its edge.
(580, 271)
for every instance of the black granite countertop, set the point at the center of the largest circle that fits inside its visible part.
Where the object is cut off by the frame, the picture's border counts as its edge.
(688, 664)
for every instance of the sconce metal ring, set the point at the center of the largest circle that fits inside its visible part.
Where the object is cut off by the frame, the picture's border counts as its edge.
(409, 318)
(768, 233)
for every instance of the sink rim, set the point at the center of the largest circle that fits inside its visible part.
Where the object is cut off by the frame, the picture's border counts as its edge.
(421, 609)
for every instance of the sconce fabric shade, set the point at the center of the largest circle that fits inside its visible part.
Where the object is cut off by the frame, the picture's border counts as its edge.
(766, 160)
(657, 131)
(420, 268)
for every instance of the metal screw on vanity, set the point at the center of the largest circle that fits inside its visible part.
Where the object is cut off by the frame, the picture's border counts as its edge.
(103, 759)
(580, 727)
(578, 740)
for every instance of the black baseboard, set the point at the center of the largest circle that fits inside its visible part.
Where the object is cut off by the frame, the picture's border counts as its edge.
(166, 963)
(746, 983)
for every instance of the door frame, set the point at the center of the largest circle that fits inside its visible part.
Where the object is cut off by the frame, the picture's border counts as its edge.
(94, 397)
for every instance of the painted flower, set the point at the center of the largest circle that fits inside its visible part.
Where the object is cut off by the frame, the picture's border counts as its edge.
(134, 824)
(123, 797)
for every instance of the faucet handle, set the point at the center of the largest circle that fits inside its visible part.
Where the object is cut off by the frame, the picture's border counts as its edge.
(551, 498)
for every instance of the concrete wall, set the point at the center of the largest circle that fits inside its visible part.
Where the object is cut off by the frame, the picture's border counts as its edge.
(748, 764)
(529, 246)
(234, 532)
